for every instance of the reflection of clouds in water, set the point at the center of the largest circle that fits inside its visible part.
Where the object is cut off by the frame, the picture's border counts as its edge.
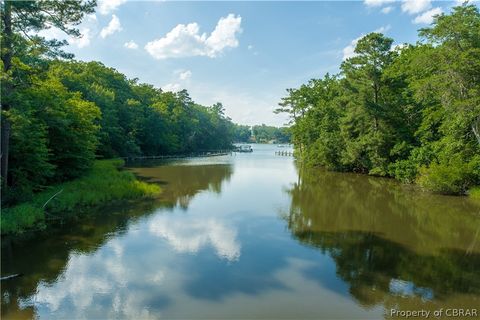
(77, 281)
(408, 289)
(131, 307)
(188, 234)
(94, 280)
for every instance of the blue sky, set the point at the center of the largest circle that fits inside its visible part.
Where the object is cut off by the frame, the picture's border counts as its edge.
(243, 54)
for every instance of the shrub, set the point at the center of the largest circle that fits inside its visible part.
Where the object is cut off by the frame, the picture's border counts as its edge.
(474, 192)
(453, 177)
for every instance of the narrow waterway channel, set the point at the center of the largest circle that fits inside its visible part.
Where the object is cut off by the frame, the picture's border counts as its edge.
(251, 235)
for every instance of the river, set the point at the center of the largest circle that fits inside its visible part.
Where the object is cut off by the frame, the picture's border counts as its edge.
(252, 236)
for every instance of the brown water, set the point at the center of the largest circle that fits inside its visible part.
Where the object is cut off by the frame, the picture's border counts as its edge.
(252, 236)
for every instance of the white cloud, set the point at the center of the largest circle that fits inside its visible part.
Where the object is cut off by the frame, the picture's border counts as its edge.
(185, 75)
(186, 40)
(383, 29)
(224, 34)
(387, 10)
(399, 46)
(349, 51)
(241, 104)
(181, 41)
(87, 30)
(415, 6)
(376, 3)
(91, 17)
(172, 87)
(107, 6)
(83, 40)
(460, 2)
(130, 45)
(181, 76)
(427, 17)
(112, 27)
(250, 47)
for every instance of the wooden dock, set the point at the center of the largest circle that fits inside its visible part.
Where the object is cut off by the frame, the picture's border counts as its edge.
(284, 153)
(178, 156)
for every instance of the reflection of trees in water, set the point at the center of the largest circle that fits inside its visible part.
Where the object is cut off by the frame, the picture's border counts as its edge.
(377, 270)
(45, 256)
(182, 182)
(424, 222)
(387, 241)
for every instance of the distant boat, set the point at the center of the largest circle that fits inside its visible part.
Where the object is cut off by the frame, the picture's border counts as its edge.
(244, 148)
(283, 146)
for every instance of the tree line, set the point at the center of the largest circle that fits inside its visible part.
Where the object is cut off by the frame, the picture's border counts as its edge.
(261, 134)
(58, 114)
(411, 112)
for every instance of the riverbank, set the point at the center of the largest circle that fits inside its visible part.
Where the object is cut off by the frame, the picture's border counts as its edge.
(105, 182)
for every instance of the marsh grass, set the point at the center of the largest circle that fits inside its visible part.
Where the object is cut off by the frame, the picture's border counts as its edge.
(105, 182)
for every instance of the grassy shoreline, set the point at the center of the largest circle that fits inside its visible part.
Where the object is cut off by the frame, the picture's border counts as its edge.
(104, 183)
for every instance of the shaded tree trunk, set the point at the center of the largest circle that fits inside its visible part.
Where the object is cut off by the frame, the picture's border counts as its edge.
(5, 149)
(475, 129)
(5, 106)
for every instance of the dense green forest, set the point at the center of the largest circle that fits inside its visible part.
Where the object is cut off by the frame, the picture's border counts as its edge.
(409, 111)
(261, 134)
(59, 115)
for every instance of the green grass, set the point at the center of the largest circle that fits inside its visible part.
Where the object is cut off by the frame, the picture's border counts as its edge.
(104, 183)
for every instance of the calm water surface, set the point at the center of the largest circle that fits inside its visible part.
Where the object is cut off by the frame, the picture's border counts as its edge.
(252, 236)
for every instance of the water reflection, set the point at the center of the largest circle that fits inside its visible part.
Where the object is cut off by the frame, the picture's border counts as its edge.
(349, 246)
(183, 178)
(423, 222)
(94, 286)
(189, 234)
(392, 247)
(43, 259)
(82, 262)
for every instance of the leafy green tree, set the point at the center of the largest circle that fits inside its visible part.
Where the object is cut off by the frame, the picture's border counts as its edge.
(111, 91)
(264, 134)
(72, 128)
(242, 133)
(55, 137)
(365, 127)
(411, 112)
(19, 19)
(455, 86)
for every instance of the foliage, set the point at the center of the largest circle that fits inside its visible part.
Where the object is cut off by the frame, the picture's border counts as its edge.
(58, 114)
(103, 183)
(75, 111)
(475, 193)
(411, 112)
(24, 53)
(263, 133)
(54, 137)
(242, 133)
(138, 119)
(454, 176)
